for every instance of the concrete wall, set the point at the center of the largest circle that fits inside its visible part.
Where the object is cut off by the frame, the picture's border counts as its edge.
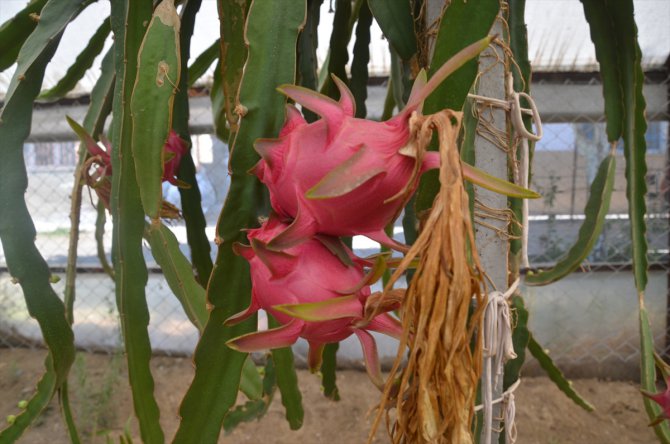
(588, 322)
(557, 102)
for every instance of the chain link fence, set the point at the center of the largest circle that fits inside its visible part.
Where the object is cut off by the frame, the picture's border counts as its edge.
(50, 155)
(588, 321)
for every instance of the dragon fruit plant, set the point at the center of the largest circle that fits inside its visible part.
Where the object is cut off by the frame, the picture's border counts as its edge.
(313, 293)
(338, 176)
(97, 172)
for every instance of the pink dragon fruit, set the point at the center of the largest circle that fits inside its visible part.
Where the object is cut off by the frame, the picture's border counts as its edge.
(341, 175)
(98, 170)
(662, 399)
(311, 291)
(175, 148)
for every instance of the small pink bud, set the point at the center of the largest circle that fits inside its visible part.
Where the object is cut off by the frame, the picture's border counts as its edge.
(99, 175)
(175, 149)
(662, 399)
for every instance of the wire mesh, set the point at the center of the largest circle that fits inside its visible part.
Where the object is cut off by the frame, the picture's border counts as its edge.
(50, 155)
(588, 321)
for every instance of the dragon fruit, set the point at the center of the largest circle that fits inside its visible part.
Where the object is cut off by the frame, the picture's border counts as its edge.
(342, 175)
(175, 148)
(312, 293)
(338, 176)
(98, 168)
(662, 399)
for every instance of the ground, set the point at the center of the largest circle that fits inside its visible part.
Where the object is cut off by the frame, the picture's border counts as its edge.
(103, 407)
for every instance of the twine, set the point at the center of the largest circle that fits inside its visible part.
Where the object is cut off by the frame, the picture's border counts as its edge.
(498, 349)
(513, 105)
(507, 399)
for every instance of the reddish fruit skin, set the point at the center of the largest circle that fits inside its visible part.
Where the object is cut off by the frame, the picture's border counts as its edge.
(306, 273)
(364, 156)
(317, 275)
(307, 159)
(100, 180)
(179, 148)
(337, 176)
(663, 400)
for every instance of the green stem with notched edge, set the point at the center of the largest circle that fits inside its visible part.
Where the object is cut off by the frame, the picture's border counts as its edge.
(555, 374)
(328, 372)
(25, 264)
(359, 64)
(100, 220)
(129, 21)
(287, 382)
(53, 19)
(462, 24)
(338, 52)
(595, 211)
(202, 62)
(16, 30)
(396, 21)
(64, 397)
(17, 230)
(614, 34)
(272, 32)
(191, 199)
(308, 41)
(81, 64)
(255, 408)
(158, 73)
(232, 19)
(178, 272)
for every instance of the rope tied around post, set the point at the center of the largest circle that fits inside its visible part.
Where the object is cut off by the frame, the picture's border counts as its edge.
(513, 106)
(497, 349)
(507, 399)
